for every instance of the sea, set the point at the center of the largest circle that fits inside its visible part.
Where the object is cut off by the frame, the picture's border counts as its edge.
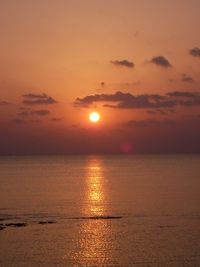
(113, 210)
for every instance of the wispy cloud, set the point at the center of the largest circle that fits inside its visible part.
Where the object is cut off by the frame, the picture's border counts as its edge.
(56, 119)
(23, 113)
(123, 63)
(35, 121)
(149, 122)
(38, 99)
(195, 52)
(4, 103)
(18, 121)
(41, 112)
(159, 111)
(186, 78)
(183, 94)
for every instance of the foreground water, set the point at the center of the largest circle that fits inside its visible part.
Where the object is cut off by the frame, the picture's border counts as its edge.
(102, 211)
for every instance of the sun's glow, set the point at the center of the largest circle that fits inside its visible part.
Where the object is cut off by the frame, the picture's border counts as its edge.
(94, 117)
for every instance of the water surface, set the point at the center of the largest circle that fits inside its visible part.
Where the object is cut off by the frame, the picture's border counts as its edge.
(104, 210)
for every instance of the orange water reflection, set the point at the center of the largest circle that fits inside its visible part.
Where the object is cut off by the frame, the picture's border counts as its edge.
(95, 192)
(95, 239)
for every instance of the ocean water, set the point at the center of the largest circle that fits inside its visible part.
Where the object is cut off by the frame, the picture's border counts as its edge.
(102, 211)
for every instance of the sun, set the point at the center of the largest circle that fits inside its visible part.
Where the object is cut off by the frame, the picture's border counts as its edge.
(94, 117)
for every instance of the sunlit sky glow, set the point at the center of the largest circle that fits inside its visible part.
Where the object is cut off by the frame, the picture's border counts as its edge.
(135, 61)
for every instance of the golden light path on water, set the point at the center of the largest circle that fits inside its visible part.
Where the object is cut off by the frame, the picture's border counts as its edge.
(95, 244)
(95, 190)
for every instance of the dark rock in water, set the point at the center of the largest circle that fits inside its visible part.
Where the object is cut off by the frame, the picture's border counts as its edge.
(20, 224)
(9, 224)
(46, 222)
(16, 224)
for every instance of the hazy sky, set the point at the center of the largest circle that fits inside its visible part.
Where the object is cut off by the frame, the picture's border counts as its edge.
(136, 62)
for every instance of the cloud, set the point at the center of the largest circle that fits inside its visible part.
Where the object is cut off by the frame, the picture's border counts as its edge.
(123, 63)
(127, 100)
(161, 61)
(152, 112)
(87, 100)
(4, 103)
(195, 52)
(149, 122)
(24, 108)
(41, 112)
(35, 121)
(23, 113)
(30, 95)
(158, 111)
(120, 100)
(183, 94)
(186, 78)
(38, 99)
(56, 119)
(18, 121)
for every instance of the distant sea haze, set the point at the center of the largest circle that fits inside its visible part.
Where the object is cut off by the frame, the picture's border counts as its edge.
(103, 210)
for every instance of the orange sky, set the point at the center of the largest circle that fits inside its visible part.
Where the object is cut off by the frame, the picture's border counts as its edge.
(74, 49)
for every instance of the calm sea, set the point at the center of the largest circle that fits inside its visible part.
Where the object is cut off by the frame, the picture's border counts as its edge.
(102, 211)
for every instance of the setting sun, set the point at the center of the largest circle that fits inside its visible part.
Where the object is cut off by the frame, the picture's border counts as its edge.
(94, 117)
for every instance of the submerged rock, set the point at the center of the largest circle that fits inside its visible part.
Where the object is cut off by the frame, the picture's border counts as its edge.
(16, 224)
(2, 227)
(167, 226)
(47, 222)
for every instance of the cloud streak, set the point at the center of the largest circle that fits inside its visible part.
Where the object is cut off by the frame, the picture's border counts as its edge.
(4, 103)
(42, 112)
(186, 78)
(149, 122)
(38, 99)
(56, 119)
(18, 121)
(123, 63)
(183, 94)
(23, 113)
(195, 52)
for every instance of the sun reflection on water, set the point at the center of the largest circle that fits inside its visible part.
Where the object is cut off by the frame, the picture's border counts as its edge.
(94, 244)
(95, 195)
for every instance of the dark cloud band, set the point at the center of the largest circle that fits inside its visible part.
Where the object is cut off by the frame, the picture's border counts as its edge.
(195, 52)
(38, 99)
(145, 101)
